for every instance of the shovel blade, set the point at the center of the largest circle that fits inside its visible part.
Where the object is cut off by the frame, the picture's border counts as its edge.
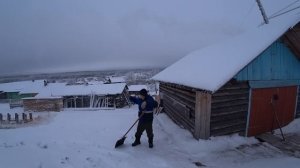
(120, 142)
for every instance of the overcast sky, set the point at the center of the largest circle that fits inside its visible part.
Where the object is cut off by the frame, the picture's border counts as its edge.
(74, 35)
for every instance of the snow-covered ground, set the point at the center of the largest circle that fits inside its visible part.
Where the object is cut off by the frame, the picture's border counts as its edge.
(86, 139)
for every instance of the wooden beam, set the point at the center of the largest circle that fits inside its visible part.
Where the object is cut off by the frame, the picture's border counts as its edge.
(202, 115)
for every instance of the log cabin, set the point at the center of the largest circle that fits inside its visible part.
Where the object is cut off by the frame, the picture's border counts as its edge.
(237, 86)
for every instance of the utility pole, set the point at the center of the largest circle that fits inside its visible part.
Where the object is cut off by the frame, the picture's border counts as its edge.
(262, 10)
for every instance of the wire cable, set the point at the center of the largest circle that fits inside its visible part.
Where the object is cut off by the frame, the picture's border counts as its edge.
(284, 12)
(284, 8)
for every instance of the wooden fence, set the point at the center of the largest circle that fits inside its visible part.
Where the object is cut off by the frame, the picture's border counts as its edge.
(16, 118)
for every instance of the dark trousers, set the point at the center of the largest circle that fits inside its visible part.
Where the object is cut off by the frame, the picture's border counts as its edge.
(140, 129)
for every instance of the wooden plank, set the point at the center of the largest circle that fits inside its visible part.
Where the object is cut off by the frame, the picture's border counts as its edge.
(177, 117)
(179, 105)
(236, 128)
(287, 146)
(182, 87)
(234, 86)
(230, 98)
(202, 115)
(229, 109)
(298, 104)
(225, 118)
(230, 92)
(181, 90)
(190, 100)
(179, 99)
(233, 123)
(180, 120)
(230, 104)
(292, 39)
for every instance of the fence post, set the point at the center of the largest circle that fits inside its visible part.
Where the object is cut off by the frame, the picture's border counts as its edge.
(25, 117)
(1, 117)
(30, 117)
(8, 117)
(17, 117)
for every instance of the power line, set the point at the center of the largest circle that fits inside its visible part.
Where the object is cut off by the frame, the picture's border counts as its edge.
(276, 14)
(284, 8)
(284, 12)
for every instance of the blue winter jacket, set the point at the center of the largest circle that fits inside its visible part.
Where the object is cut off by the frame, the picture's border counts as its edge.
(150, 105)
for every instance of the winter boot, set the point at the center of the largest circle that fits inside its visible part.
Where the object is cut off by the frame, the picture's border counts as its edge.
(150, 145)
(150, 142)
(136, 142)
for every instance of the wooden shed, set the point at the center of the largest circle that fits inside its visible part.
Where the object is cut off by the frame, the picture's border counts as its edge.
(88, 96)
(43, 104)
(239, 86)
(20, 89)
(96, 96)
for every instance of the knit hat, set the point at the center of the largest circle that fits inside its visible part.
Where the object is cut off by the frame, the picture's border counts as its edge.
(143, 92)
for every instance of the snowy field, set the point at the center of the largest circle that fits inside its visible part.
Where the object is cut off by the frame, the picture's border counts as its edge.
(86, 139)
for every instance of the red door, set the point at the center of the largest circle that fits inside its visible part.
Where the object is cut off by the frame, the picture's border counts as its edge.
(266, 104)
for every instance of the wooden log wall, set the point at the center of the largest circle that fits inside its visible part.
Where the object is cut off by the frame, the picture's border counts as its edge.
(298, 104)
(122, 100)
(229, 109)
(179, 104)
(43, 105)
(292, 39)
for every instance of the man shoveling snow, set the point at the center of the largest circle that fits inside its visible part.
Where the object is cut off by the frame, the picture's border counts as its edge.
(146, 106)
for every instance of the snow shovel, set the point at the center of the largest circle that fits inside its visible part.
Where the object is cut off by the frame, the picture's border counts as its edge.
(121, 141)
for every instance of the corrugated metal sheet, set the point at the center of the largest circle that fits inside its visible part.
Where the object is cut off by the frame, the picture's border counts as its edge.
(263, 112)
(13, 95)
(276, 63)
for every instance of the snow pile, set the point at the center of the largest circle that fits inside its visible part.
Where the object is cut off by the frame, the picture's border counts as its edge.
(86, 139)
(293, 127)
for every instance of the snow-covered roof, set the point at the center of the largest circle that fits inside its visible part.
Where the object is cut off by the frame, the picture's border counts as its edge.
(95, 82)
(119, 79)
(73, 90)
(211, 67)
(22, 86)
(48, 97)
(135, 88)
(61, 89)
